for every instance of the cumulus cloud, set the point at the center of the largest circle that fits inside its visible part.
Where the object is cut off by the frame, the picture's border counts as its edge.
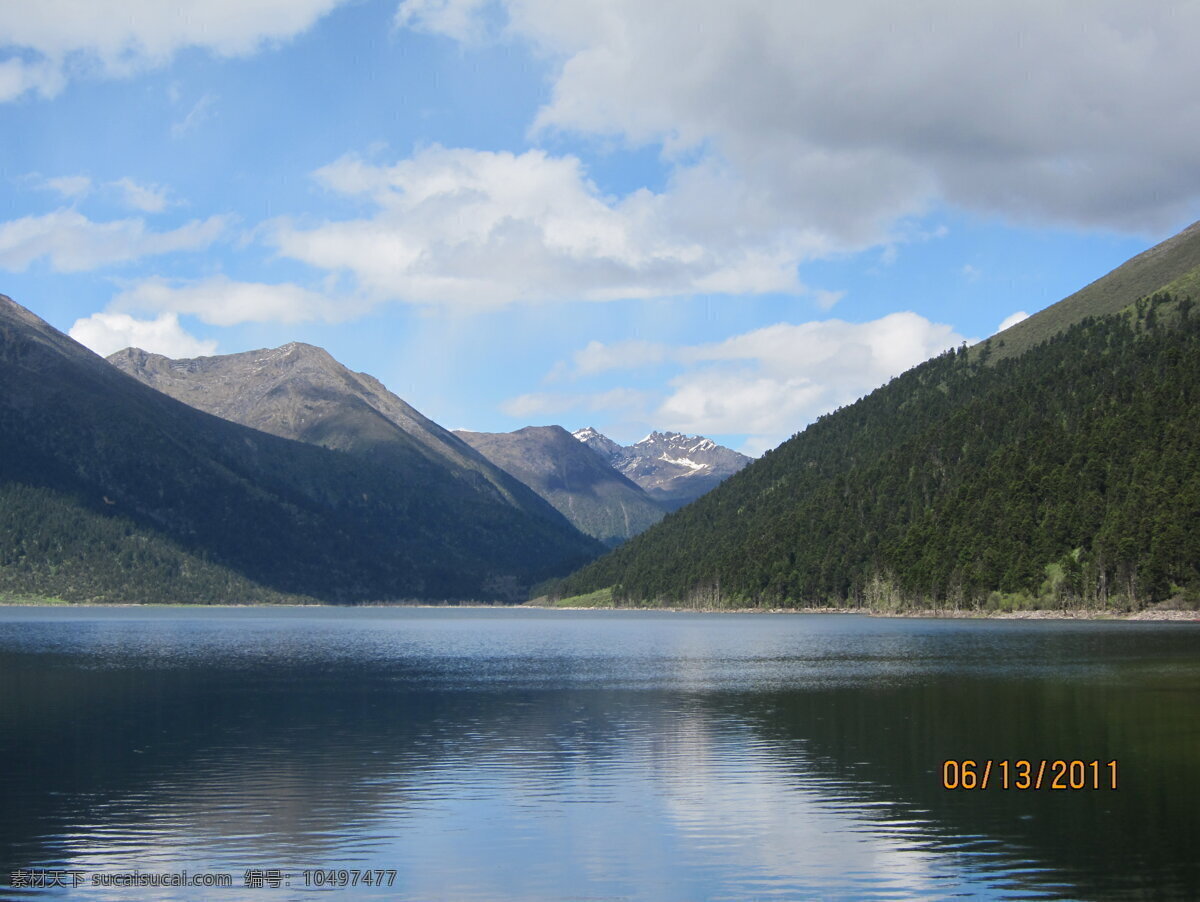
(838, 119)
(478, 228)
(70, 242)
(1012, 320)
(777, 379)
(767, 383)
(105, 333)
(221, 301)
(55, 37)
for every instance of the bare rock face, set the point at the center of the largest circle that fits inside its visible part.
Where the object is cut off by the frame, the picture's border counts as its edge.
(584, 488)
(672, 468)
(301, 392)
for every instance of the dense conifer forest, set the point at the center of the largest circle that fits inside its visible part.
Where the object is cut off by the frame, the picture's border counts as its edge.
(1066, 476)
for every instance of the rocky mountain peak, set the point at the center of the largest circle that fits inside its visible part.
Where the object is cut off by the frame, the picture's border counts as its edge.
(609, 450)
(671, 467)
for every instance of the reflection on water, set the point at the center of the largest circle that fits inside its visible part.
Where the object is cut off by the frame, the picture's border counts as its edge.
(548, 755)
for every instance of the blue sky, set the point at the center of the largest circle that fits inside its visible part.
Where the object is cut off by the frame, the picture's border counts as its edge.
(708, 217)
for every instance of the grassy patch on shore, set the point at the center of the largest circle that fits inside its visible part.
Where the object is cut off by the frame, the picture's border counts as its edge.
(601, 598)
(7, 599)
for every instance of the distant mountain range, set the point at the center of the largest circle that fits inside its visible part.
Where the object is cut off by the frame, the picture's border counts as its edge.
(300, 392)
(113, 491)
(1057, 463)
(596, 498)
(672, 468)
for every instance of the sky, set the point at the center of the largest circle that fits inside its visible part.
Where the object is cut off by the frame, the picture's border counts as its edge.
(709, 217)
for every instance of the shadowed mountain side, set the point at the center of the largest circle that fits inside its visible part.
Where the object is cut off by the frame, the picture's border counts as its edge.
(301, 392)
(112, 481)
(587, 491)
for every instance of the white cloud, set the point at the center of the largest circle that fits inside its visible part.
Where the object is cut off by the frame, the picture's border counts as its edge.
(201, 110)
(71, 242)
(870, 352)
(597, 357)
(835, 120)
(1012, 320)
(777, 379)
(18, 77)
(105, 333)
(220, 301)
(56, 37)
(740, 401)
(147, 198)
(476, 228)
(827, 299)
(457, 19)
(767, 383)
(69, 186)
(548, 404)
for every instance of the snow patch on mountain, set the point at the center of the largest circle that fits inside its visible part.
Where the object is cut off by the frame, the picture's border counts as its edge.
(672, 467)
(682, 461)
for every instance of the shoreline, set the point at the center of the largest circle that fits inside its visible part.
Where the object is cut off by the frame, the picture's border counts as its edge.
(1149, 615)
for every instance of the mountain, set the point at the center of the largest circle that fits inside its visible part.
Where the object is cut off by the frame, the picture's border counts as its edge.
(672, 468)
(597, 499)
(110, 490)
(299, 391)
(1172, 266)
(609, 450)
(1066, 474)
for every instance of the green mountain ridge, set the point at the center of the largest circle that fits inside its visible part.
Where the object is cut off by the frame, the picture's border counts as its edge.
(112, 491)
(1171, 266)
(1067, 474)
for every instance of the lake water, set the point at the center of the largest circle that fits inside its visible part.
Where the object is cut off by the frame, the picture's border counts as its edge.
(538, 755)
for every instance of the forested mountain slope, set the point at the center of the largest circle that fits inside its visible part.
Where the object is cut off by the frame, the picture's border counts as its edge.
(1068, 474)
(112, 491)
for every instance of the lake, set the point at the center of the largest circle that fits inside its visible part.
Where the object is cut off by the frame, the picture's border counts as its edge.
(466, 754)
